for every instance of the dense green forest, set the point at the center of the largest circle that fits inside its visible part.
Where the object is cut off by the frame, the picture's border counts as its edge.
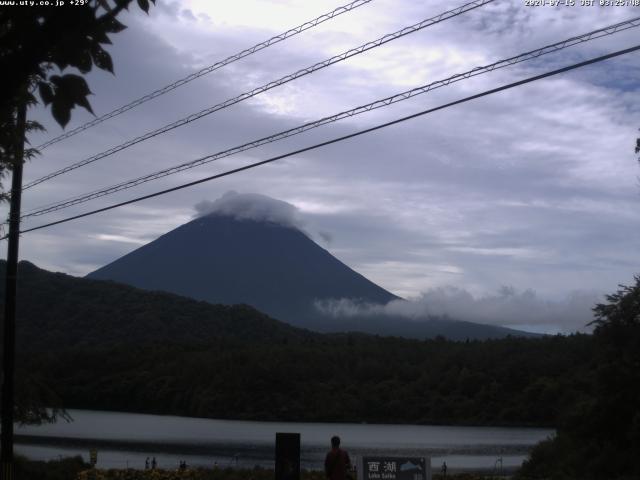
(350, 377)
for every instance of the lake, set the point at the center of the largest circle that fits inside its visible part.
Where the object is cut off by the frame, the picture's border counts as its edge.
(127, 439)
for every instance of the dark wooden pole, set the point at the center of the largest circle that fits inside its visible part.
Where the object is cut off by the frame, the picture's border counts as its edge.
(9, 339)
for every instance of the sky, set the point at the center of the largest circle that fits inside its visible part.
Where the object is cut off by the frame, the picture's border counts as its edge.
(520, 202)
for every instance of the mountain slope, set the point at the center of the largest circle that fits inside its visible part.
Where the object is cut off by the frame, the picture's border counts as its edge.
(57, 311)
(219, 259)
(276, 269)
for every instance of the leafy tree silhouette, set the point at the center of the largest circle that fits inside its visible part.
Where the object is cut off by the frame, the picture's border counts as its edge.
(37, 46)
(600, 436)
(38, 43)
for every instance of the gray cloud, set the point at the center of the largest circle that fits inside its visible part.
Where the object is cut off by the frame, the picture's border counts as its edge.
(252, 206)
(326, 237)
(507, 307)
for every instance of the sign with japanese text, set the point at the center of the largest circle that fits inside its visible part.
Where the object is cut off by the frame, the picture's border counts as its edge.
(395, 468)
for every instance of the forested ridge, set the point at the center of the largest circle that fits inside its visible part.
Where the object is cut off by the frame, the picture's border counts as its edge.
(57, 312)
(354, 378)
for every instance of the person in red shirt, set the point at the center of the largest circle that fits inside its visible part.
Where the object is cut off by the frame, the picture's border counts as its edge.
(337, 462)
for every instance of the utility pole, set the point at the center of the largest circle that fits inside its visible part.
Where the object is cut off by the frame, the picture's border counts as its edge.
(9, 339)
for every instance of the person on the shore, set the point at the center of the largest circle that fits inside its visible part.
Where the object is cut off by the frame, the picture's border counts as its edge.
(153, 463)
(146, 464)
(337, 462)
(444, 469)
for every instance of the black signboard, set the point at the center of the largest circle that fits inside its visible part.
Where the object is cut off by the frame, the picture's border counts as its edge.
(395, 468)
(287, 456)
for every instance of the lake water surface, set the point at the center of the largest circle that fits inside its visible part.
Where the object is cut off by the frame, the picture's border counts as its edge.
(126, 439)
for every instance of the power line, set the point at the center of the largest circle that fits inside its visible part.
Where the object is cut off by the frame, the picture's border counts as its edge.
(609, 30)
(340, 139)
(183, 81)
(287, 78)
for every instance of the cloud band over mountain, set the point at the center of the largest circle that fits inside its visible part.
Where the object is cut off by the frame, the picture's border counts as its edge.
(252, 206)
(508, 307)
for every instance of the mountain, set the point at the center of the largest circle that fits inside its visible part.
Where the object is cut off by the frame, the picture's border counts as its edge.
(275, 268)
(56, 311)
(219, 259)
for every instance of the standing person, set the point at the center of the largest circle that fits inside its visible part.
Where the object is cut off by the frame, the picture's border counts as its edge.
(337, 462)
(153, 463)
(146, 464)
(444, 469)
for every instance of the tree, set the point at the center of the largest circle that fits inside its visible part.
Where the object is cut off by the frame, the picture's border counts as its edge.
(600, 438)
(38, 44)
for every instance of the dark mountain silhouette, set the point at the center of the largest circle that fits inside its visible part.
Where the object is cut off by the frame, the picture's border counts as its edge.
(277, 269)
(57, 311)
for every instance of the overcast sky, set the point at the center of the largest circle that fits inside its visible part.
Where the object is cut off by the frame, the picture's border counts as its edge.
(535, 189)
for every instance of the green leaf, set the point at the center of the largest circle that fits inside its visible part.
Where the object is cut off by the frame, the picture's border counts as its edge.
(83, 62)
(144, 5)
(113, 26)
(83, 102)
(100, 36)
(61, 112)
(74, 85)
(101, 58)
(75, 90)
(70, 90)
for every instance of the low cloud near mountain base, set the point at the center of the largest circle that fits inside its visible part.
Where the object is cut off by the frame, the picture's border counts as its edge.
(522, 310)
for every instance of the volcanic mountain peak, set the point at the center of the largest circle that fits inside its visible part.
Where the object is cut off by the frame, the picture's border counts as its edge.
(221, 259)
(251, 249)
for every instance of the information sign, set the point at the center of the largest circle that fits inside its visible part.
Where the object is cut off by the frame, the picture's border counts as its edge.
(394, 468)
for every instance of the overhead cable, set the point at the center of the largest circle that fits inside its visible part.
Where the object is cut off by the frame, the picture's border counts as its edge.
(183, 81)
(252, 93)
(609, 30)
(339, 139)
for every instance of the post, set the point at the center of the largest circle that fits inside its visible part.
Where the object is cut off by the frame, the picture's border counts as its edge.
(287, 456)
(9, 340)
